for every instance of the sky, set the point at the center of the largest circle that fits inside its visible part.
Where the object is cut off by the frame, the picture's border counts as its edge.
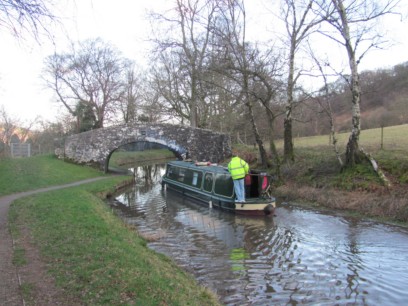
(124, 23)
(22, 91)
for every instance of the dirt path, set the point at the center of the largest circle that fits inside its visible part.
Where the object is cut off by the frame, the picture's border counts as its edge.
(9, 276)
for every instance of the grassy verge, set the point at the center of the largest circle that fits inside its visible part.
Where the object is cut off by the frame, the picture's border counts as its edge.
(22, 174)
(94, 257)
(91, 254)
(318, 167)
(315, 178)
(120, 158)
(316, 164)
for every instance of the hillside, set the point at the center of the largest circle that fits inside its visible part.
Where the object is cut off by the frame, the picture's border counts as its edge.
(384, 103)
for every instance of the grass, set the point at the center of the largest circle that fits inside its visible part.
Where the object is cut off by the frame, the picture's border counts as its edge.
(394, 138)
(27, 292)
(19, 257)
(22, 174)
(93, 256)
(316, 164)
(317, 179)
(395, 162)
(318, 167)
(120, 158)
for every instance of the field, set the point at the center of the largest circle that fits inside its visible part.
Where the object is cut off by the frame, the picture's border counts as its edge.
(388, 138)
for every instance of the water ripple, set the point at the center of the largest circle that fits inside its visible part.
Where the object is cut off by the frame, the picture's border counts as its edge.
(299, 257)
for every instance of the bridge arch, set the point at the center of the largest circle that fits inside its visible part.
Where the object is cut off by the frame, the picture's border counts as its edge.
(96, 146)
(179, 152)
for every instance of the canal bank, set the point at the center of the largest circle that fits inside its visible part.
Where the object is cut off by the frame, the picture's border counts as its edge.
(385, 205)
(389, 205)
(70, 249)
(54, 200)
(11, 275)
(316, 179)
(300, 256)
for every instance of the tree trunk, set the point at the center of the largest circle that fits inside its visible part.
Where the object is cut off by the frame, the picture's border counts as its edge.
(262, 152)
(288, 150)
(353, 154)
(272, 146)
(288, 155)
(193, 102)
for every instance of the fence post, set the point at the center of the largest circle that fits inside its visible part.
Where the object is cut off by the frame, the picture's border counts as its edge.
(382, 137)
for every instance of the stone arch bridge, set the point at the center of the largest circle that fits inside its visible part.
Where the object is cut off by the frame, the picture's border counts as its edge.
(96, 146)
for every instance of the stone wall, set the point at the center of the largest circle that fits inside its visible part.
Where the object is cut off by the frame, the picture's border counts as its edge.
(95, 147)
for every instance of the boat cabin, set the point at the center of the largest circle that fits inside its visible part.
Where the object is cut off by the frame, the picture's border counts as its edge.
(213, 184)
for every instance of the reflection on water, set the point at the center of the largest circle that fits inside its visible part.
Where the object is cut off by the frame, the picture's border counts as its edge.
(299, 257)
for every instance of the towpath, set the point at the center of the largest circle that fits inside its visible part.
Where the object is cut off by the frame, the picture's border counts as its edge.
(9, 278)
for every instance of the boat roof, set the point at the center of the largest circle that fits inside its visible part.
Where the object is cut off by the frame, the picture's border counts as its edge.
(201, 166)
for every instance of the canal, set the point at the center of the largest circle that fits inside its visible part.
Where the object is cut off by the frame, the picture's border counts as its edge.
(300, 256)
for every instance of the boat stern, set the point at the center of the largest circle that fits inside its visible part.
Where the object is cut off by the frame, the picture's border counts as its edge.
(264, 208)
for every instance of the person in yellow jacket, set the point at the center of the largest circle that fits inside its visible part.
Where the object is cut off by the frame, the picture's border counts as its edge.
(238, 168)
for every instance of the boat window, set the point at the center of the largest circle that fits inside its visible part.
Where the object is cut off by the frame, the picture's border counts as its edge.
(171, 172)
(182, 174)
(208, 182)
(224, 185)
(195, 179)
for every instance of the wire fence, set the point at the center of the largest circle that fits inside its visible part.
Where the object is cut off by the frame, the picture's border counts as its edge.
(387, 138)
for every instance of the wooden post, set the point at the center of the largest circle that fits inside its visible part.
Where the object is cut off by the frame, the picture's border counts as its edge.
(382, 137)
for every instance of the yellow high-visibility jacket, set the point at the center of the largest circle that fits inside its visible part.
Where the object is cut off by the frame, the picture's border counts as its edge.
(238, 168)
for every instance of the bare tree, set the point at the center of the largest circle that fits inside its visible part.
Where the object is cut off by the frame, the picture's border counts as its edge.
(355, 29)
(131, 98)
(30, 16)
(48, 137)
(182, 54)
(324, 101)
(300, 22)
(267, 89)
(89, 81)
(239, 63)
(173, 85)
(153, 102)
(8, 127)
(223, 111)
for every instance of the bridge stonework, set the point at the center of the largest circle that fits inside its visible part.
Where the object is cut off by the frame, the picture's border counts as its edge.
(96, 146)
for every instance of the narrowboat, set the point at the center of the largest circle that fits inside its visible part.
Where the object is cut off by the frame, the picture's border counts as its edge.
(212, 186)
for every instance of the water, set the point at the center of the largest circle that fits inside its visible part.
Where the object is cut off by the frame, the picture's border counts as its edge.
(300, 256)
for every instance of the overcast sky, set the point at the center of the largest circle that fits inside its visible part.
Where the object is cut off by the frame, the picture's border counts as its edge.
(124, 24)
